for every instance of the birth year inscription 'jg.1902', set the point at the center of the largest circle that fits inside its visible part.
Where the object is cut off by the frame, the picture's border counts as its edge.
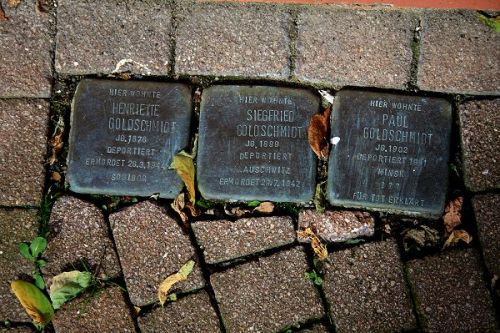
(124, 135)
(253, 144)
(391, 152)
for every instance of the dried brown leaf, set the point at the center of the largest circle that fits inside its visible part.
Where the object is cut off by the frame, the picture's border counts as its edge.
(236, 211)
(420, 238)
(56, 144)
(318, 247)
(318, 133)
(2, 14)
(167, 284)
(192, 209)
(13, 3)
(56, 176)
(456, 236)
(178, 205)
(452, 214)
(183, 164)
(124, 76)
(137, 310)
(264, 208)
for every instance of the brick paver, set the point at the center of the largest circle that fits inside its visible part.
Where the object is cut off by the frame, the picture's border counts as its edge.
(366, 289)
(193, 314)
(25, 45)
(340, 46)
(480, 122)
(451, 295)
(23, 137)
(337, 226)
(233, 40)
(459, 54)
(79, 239)
(488, 226)
(105, 311)
(107, 36)
(151, 246)
(225, 240)
(268, 294)
(16, 226)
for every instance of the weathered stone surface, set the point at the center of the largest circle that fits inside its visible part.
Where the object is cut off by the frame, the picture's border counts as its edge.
(233, 40)
(268, 294)
(459, 54)
(17, 329)
(366, 289)
(25, 45)
(337, 226)
(124, 135)
(391, 152)
(16, 226)
(488, 225)
(106, 311)
(193, 314)
(225, 240)
(253, 144)
(451, 295)
(23, 137)
(79, 239)
(318, 328)
(341, 46)
(151, 246)
(479, 124)
(136, 39)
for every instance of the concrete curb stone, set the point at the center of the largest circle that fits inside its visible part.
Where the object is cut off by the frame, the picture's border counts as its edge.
(152, 246)
(451, 295)
(16, 226)
(225, 240)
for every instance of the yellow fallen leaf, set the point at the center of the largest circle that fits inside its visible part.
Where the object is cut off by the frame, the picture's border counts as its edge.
(167, 284)
(318, 247)
(36, 304)
(183, 164)
(137, 310)
(456, 236)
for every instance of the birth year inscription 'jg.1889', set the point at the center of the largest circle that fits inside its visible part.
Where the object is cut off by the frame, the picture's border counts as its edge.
(253, 144)
(390, 153)
(124, 135)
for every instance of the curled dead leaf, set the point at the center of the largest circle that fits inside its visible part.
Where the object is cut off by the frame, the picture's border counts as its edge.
(318, 247)
(13, 3)
(420, 238)
(183, 164)
(2, 14)
(167, 284)
(236, 211)
(56, 143)
(56, 176)
(266, 207)
(452, 214)
(137, 310)
(457, 236)
(178, 205)
(317, 133)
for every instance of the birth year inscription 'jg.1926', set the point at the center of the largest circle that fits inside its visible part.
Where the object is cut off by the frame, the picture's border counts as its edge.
(390, 152)
(124, 135)
(253, 144)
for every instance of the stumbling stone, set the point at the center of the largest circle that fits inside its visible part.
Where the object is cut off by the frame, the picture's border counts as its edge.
(124, 135)
(16, 226)
(106, 311)
(253, 144)
(79, 239)
(450, 293)
(193, 313)
(366, 289)
(267, 295)
(337, 226)
(152, 246)
(225, 240)
(390, 152)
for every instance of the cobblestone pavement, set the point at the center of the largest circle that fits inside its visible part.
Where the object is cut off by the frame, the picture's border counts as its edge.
(252, 272)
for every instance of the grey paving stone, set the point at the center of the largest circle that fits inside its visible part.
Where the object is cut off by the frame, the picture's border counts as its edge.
(488, 226)
(16, 226)
(459, 54)
(337, 226)
(106, 36)
(193, 314)
(225, 240)
(106, 311)
(151, 246)
(366, 289)
(25, 46)
(480, 123)
(342, 46)
(23, 137)
(268, 294)
(451, 295)
(79, 239)
(233, 40)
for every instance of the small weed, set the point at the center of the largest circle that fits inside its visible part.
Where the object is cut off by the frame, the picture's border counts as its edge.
(32, 252)
(315, 278)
